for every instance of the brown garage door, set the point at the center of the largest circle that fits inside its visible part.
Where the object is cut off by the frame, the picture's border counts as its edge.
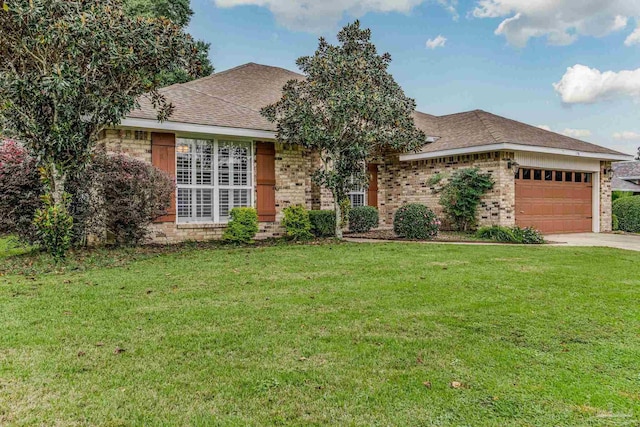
(554, 201)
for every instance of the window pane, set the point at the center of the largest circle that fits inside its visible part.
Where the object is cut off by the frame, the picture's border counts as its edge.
(548, 175)
(568, 177)
(559, 175)
(588, 177)
(578, 177)
(241, 167)
(526, 174)
(204, 204)
(223, 163)
(357, 199)
(224, 205)
(537, 175)
(183, 167)
(241, 198)
(204, 163)
(184, 203)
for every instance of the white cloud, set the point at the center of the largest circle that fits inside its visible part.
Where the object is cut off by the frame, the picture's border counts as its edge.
(577, 133)
(560, 21)
(573, 133)
(634, 38)
(584, 85)
(322, 15)
(437, 42)
(627, 136)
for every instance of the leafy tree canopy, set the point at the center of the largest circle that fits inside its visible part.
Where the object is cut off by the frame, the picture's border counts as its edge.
(179, 12)
(349, 109)
(71, 68)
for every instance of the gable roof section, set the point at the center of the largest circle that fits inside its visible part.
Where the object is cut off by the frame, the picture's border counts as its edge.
(624, 175)
(231, 98)
(474, 129)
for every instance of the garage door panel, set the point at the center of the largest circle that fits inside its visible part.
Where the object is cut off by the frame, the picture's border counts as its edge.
(554, 207)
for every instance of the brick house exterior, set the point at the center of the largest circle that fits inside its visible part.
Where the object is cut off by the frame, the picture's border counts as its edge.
(223, 153)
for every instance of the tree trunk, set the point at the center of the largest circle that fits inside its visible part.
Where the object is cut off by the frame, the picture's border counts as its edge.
(336, 204)
(57, 184)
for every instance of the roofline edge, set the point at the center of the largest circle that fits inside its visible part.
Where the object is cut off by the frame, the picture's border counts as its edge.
(195, 128)
(513, 147)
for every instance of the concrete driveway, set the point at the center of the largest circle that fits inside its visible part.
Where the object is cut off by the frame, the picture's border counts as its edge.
(620, 241)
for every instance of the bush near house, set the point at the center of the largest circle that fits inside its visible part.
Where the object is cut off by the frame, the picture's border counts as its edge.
(416, 221)
(615, 224)
(627, 210)
(296, 222)
(20, 192)
(242, 227)
(323, 223)
(363, 218)
(461, 196)
(525, 236)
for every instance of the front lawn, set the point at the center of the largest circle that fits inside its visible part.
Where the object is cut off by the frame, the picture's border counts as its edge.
(349, 334)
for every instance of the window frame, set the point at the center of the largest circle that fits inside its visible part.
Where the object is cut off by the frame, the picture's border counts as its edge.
(215, 187)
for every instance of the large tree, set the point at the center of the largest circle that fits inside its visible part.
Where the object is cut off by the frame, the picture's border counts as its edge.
(180, 13)
(348, 109)
(71, 68)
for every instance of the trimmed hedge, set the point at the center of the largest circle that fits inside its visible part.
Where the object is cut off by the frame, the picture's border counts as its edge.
(242, 227)
(416, 221)
(524, 236)
(627, 210)
(323, 223)
(296, 222)
(363, 219)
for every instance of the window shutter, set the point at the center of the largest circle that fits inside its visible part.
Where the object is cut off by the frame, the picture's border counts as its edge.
(163, 156)
(266, 181)
(372, 192)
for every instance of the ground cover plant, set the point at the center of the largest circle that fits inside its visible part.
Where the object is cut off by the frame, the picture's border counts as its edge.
(348, 334)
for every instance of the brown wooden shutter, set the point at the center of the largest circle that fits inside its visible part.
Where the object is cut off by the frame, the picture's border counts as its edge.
(163, 156)
(266, 181)
(372, 192)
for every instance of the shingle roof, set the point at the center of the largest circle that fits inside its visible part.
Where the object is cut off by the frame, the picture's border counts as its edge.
(476, 128)
(626, 170)
(233, 98)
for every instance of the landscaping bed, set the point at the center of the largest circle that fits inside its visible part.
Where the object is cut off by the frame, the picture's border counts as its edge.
(443, 236)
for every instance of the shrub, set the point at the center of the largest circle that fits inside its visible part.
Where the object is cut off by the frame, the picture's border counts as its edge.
(416, 221)
(627, 209)
(242, 227)
(296, 222)
(132, 194)
(54, 226)
(615, 195)
(526, 236)
(461, 196)
(20, 192)
(363, 219)
(615, 224)
(497, 233)
(323, 223)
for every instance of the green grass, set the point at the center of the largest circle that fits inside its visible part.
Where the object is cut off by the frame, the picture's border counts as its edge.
(10, 247)
(328, 335)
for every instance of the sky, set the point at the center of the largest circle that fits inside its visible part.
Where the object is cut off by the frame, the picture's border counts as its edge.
(571, 66)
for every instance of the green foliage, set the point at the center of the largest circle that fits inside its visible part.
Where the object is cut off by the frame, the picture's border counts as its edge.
(435, 179)
(461, 196)
(179, 12)
(525, 236)
(348, 109)
(363, 219)
(54, 226)
(345, 210)
(70, 69)
(297, 223)
(242, 227)
(615, 223)
(323, 223)
(627, 210)
(615, 195)
(416, 221)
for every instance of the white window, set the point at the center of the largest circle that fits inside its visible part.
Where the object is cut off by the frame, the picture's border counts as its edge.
(358, 197)
(212, 177)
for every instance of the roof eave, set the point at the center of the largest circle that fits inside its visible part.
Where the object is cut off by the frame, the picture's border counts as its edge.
(505, 146)
(169, 126)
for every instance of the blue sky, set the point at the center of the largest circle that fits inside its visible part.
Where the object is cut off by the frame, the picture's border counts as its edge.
(511, 73)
